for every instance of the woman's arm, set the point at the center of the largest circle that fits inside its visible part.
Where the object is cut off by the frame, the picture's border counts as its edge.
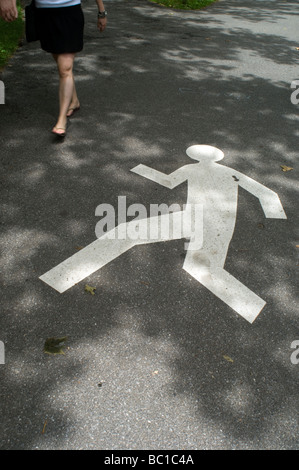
(102, 22)
(8, 10)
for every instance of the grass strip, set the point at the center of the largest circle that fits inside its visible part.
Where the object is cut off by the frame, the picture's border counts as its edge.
(184, 4)
(10, 35)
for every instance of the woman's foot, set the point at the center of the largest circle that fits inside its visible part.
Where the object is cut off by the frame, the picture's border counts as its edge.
(60, 127)
(59, 131)
(73, 108)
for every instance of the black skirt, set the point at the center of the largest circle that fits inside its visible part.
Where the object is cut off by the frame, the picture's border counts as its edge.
(61, 29)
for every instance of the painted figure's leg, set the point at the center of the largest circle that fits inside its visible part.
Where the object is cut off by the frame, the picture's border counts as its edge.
(116, 242)
(227, 288)
(85, 262)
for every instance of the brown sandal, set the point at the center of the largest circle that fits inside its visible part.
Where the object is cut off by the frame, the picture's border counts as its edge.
(72, 111)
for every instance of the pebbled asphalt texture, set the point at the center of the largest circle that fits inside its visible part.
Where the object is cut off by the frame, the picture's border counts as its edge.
(153, 360)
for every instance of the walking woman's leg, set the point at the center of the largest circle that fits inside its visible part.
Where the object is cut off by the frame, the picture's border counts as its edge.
(67, 91)
(75, 103)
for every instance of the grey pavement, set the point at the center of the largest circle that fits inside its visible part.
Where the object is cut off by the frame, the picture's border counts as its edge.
(153, 360)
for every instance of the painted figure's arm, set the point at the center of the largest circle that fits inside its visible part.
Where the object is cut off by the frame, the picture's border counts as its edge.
(169, 181)
(269, 200)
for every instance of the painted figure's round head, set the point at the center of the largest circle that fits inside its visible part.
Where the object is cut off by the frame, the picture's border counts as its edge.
(204, 153)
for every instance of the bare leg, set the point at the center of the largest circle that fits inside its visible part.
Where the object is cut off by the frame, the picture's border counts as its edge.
(67, 90)
(75, 103)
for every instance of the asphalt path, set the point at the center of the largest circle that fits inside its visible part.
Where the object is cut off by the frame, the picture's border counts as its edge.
(153, 360)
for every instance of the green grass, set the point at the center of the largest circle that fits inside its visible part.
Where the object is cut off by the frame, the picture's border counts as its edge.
(10, 35)
(185, 4)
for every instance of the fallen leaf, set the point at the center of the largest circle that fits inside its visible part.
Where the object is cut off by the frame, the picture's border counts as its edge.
(90, 289)
(227, 358)
(45, 424)
(286, 168)
(54, 345)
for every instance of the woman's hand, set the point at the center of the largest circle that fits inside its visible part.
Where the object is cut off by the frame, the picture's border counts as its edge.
(102, 23)
(8, 10)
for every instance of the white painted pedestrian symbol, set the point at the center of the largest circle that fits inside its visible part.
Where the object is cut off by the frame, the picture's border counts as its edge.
(2, 93)
(2, 353)
(211, 186)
